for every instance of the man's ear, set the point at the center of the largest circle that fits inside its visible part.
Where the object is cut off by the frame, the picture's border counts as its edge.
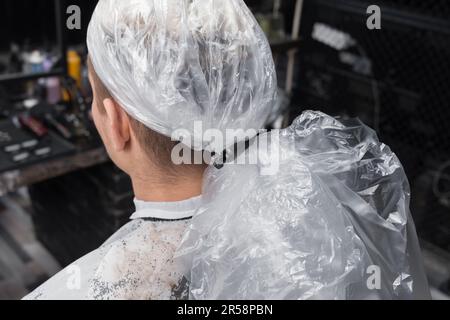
(118, 124)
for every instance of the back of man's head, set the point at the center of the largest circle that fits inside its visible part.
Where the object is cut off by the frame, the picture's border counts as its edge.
(174, 63)
(156, 146)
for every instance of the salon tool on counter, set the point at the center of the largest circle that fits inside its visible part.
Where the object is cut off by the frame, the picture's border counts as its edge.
(24, 141)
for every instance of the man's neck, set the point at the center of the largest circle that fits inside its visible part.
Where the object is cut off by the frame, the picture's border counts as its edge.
(161, 187)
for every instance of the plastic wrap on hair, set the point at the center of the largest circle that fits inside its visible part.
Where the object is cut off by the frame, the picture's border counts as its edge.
(172, 64)
(332, 222)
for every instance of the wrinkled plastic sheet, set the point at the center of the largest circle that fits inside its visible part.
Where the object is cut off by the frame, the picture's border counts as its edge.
(332, 223)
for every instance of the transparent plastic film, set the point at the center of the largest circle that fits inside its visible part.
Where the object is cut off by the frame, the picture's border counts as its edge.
(333, 222)
(174, 63)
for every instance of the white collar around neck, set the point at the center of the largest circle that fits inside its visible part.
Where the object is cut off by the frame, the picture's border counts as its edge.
(166, 210)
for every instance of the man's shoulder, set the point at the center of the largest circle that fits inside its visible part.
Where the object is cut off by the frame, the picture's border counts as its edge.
(122, 267)
(72, 283)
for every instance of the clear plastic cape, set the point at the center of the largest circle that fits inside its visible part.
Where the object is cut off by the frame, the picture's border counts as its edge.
(332, 222)
(172, 64)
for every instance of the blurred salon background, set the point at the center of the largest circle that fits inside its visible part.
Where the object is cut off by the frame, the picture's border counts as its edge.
(61, 197)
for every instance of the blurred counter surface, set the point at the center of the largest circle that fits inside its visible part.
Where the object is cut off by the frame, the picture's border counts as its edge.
(48, 169)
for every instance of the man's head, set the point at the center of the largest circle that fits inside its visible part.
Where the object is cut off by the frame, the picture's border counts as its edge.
(160, 66)
(116, 127)
(134, 148)
(172, 64)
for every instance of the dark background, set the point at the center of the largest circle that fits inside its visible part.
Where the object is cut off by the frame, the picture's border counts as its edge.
(34, 21)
